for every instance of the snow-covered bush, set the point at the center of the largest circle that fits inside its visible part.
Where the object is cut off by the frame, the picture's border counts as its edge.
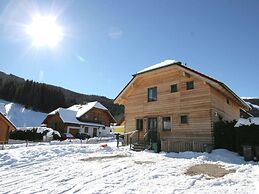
(35, 134)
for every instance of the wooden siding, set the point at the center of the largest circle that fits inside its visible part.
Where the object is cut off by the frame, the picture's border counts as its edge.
(97, 116)
(5, 129)
(220, 107)
(195, 103)
(55, 122)
(204, 105)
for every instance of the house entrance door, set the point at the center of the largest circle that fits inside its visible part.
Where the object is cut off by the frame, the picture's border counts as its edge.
(152, 129)
(94, 132)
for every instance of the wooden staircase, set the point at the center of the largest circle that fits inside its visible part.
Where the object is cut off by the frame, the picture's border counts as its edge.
(138, 147)
(139, 143)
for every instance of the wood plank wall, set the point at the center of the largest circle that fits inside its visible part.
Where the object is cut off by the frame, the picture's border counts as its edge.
(195, 103)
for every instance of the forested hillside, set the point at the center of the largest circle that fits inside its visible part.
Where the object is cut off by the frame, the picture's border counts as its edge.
(45, 98)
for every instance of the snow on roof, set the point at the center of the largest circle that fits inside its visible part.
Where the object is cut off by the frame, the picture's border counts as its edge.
(86, 107)
(156, 66)
(70, 116)
(2, 108)
(249, 121)
(75, 107)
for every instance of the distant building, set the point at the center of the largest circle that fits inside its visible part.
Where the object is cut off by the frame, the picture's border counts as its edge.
(92, 118)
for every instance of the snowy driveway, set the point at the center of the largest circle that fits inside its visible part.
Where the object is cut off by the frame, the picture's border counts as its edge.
(72, 168)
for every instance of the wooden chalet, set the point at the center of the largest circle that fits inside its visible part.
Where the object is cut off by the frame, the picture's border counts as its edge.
(177, 106)
(91, 118)
(6, 127)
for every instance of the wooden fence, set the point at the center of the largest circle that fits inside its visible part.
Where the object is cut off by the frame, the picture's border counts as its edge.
(181, 146)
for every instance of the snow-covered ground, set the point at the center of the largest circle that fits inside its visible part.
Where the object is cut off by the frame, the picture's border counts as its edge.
(88, 168)
(20, 116)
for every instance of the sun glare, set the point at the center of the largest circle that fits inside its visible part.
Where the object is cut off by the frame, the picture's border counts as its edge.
(44, 31)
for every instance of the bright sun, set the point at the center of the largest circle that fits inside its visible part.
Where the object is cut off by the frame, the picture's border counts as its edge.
(44, 31)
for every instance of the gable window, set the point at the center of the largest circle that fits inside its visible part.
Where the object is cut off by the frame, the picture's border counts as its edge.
(139, 124)
(152, 94)
(166, 123)
(184, 119)
(189, 85)
(174, 88)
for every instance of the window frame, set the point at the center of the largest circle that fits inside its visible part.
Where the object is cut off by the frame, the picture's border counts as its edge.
(184, 116)
(163, 127)
(151, 98)
(188, 86)
(139, 119)
(172, 88)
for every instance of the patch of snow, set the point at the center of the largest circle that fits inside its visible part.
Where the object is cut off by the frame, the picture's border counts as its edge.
(248, 122)
(50, 131)
(156, 66)
(20, 116)
(65, 167)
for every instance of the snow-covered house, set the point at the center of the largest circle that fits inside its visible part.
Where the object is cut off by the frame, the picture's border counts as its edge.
(92, 118)
(177, 106)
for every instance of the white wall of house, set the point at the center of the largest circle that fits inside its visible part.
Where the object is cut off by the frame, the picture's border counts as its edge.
(92, 130)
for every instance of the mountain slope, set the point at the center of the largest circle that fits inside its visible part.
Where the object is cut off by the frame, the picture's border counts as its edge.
(45, 98)
(20, 116)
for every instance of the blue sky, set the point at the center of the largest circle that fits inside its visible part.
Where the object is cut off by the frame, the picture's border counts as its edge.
(107, 41)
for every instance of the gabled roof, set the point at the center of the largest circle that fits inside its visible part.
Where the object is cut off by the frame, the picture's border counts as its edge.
(7, 120)
(69, 116)
(168, 63)
(82, 109)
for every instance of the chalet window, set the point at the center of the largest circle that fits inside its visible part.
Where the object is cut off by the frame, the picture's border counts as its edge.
(152, 94)
(189, 85)
(184, 119)
(86, 129)
(174, 88)
(139, 124)
(166, 123)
